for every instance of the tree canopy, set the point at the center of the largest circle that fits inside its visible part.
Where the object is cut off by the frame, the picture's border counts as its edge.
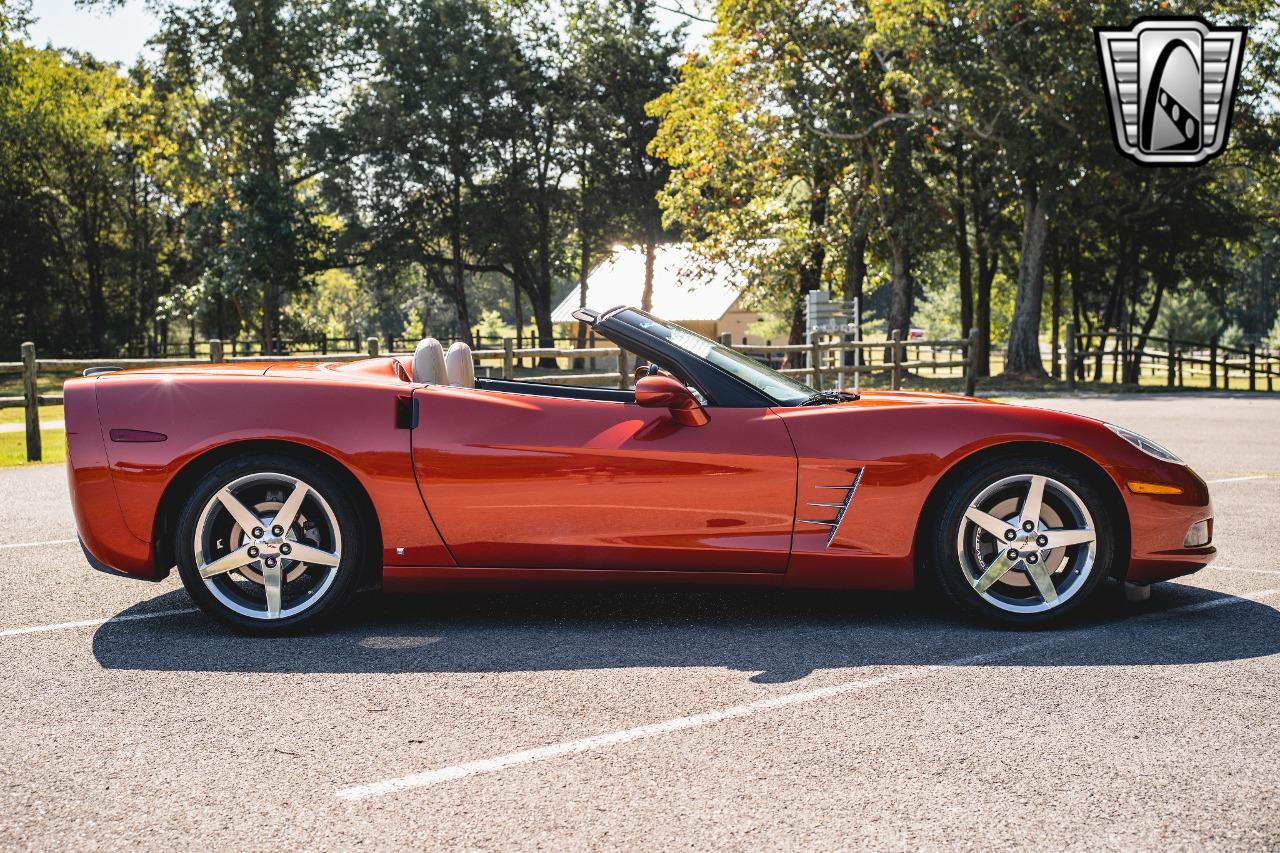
(280, 168)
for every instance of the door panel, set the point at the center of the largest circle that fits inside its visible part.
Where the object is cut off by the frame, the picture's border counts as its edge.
(516, 480)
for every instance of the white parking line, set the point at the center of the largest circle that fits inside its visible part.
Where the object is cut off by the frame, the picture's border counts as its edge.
(1238, 569)
(37, 544)
(89, 623)
(1238, 479)
(587, 744)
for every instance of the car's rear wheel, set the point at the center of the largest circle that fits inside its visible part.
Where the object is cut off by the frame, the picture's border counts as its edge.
(269, 544)
(1022, 541)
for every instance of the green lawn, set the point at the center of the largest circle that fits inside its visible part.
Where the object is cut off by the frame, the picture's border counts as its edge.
(13, 447)
(19, 415)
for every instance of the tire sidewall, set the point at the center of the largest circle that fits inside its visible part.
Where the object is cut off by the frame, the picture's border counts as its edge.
(944, 562)
(344, 510)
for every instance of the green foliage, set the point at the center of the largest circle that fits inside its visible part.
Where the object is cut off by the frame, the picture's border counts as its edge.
(1188, 316)
(1272, 340)
(296, 168)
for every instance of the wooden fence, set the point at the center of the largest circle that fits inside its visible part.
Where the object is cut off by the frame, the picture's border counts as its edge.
(1108, 356)
(1125, 358)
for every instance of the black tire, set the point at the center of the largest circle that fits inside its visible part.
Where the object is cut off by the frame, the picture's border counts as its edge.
(944, 567)
(318, 608)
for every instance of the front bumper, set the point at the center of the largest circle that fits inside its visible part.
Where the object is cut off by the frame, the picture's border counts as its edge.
(1158, 525)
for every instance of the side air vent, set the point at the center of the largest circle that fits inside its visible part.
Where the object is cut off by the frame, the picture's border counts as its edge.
(840, 507)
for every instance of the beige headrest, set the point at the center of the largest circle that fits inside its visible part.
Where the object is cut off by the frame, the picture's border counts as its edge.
(459, 366)
(428, 363)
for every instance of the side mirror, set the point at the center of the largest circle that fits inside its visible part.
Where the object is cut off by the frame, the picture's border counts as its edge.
(665, 392)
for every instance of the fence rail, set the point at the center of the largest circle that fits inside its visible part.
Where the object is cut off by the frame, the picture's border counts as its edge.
(824, 363)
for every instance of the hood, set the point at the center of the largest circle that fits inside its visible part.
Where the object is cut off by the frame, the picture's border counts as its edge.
(872, 398)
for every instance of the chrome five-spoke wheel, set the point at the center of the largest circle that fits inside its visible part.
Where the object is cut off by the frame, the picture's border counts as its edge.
(261, 552)
(1022, 540)
(1028, 545)
(271, 547)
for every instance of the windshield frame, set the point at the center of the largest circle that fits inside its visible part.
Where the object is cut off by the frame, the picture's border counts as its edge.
(752, 384)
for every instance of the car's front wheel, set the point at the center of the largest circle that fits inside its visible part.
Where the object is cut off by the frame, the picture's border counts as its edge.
(269, 544)
(1022, 541)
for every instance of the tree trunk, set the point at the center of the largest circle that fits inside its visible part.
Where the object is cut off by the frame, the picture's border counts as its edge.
(962, 251)
(810, 272)
(1056, 310)
(1022, 357)
(584, 267)
(855, 276)
(987, 267)
(902, 289)
(458, 277)
(517, 312)
(1133, 366)
(1126, 246)
(1077, 289)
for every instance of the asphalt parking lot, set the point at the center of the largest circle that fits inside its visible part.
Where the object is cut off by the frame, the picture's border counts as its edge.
(655, 719)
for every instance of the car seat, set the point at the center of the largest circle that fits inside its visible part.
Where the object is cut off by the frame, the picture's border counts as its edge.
(428, 363)
(459, 366)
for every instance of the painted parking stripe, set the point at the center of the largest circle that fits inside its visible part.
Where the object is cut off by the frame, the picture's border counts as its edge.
(596, 742)
(90, 623)
(1241, 569)
(1237, 479)
(37, 544)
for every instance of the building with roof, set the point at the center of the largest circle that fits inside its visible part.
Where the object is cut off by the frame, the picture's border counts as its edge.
(708, 302)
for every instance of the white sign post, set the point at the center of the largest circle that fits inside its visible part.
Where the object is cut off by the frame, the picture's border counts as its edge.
(823, 317)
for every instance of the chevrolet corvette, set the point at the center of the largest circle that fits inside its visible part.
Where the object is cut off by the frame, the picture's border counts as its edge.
(278, 489)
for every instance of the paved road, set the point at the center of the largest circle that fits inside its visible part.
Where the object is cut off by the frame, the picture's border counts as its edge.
(733, 719)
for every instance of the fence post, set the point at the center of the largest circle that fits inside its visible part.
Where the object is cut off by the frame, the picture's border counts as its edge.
(815, 365)
(1115, 357)
(622, 369)
(1171, 357)
(1253, 368)
(896, 353)
(1071, 356)
(971, 366)
(508, 358)
(215, 350)
(32, 402)
(1213, 364)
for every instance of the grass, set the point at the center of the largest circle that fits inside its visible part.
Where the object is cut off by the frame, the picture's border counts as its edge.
(19, 415)
(13, 447)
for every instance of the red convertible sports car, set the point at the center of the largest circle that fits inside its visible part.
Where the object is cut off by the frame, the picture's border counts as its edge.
(279, 488)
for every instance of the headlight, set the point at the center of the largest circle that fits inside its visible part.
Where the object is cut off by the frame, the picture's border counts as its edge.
(1146, 445)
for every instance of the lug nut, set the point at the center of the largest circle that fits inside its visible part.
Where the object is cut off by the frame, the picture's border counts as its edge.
(1010, 535)
(1013, 554)
(1028, 526)
(257, 533)
(277, 530)
(253, 551)
(284, 548)
(1042, 540)
(271, 562)
(1032, 558)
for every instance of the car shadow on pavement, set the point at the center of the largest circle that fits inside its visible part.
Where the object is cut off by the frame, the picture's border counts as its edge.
(772, 636)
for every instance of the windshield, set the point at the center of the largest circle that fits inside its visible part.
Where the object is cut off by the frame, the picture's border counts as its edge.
(777, 387)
